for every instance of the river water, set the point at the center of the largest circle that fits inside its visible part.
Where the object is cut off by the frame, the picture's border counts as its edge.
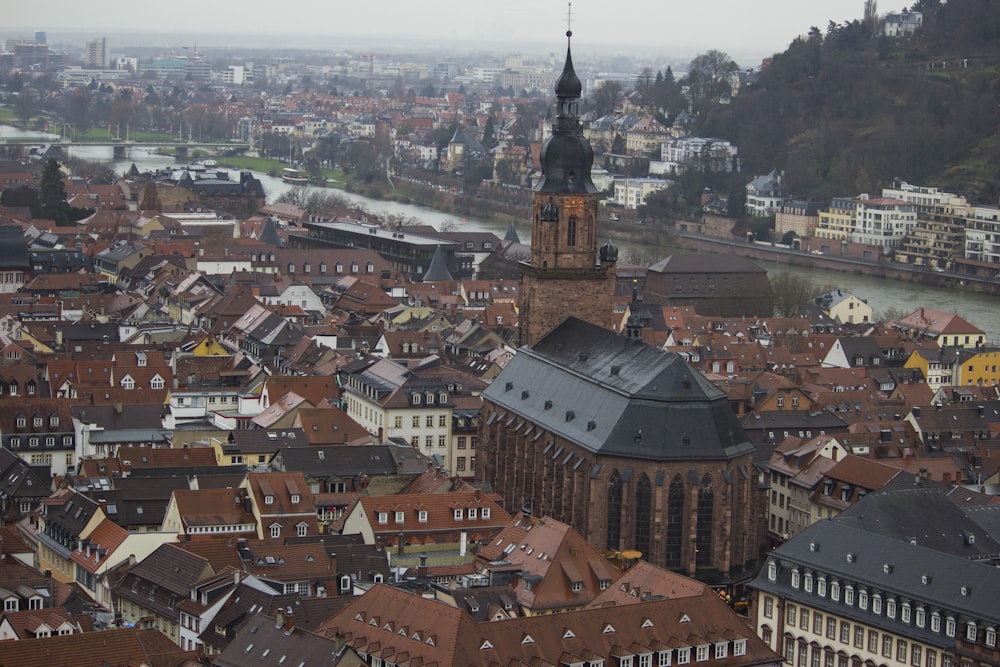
(881, 294)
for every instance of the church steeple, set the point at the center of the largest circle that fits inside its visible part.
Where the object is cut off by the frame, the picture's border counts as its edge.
(567, 156)
(566, 274)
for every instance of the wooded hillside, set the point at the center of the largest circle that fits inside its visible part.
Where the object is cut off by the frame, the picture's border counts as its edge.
(845, 110)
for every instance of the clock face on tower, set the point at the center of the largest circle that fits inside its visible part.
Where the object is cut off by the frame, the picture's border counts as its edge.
(573, 205)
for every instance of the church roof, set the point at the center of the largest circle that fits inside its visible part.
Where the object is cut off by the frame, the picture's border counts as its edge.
(620, 397)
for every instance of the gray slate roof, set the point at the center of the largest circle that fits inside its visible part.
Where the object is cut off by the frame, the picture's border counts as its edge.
(619, 397)
(824, 547)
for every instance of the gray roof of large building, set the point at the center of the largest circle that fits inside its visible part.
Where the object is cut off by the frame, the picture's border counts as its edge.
(929, 518)
(618, 397)
(887, 565)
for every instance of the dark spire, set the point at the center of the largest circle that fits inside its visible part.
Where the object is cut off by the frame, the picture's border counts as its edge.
(511, 235)
(438, 270)
(568, 85)
(633, 328)
(567, 156)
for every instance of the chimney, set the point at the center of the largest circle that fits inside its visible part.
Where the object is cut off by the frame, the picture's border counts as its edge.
(279, 618)
(422, 568)
(916, 412)
(982, 411)
(118, 407)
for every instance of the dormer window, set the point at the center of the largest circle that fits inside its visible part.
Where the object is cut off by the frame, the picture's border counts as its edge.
(295, 497)
(772, 571)
(472, 512)
(268, 500)
(422, 516)
(37, 421)
(458, 514)
(442, 398)
(383, 517)
(21, 421)
(53, 421)
(400, 517)
(430, 398)
(484, 513)
(416, 399)
(796, 578)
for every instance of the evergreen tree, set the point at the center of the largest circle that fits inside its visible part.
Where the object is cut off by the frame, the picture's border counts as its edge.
(53, 191)
(489, 133)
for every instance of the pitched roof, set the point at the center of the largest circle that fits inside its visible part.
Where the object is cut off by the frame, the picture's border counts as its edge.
(617, 396)
(120, 646)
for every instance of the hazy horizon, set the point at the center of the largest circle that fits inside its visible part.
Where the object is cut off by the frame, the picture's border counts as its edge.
(745, 30)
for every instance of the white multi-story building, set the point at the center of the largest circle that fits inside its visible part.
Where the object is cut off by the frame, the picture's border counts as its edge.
(765, 193)
(631, 192)
(982, 235)
(922, 197)
(698, 153)
(898, 24)
(841, 594)
(389, 401)
(882, 222)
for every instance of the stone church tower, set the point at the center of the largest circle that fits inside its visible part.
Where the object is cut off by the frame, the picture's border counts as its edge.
(566, 275)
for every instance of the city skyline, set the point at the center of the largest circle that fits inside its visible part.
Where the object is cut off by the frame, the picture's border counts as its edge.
(747, 30)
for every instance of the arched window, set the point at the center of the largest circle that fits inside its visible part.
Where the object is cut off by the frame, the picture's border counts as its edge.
(703, 531)
(571, 231)
(614, 510)
(643, 507)
(675, 522)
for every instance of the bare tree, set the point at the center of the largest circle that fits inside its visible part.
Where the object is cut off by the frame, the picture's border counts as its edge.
(790, 292)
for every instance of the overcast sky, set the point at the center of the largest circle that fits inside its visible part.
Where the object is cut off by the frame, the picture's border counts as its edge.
(670, 27)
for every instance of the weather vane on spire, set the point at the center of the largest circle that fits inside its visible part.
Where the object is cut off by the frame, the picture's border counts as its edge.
(569, 19)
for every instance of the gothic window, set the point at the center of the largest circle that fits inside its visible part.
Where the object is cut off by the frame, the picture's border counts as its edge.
(614, 510)
(675, 521)
(571, 231)
(703, 530)
(643, 497)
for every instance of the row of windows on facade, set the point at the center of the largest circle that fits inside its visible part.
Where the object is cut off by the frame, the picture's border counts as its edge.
(181, 401)
(814, 655)
(307, 267)
(678, 656)
(416, 398)
(37, 421)
(909, 612)
(458, 514)
(13, 389)
(34, 441)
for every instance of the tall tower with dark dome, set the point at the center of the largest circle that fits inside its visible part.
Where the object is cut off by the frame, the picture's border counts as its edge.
(567, 274)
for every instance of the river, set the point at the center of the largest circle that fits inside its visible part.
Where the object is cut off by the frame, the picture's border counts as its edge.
(881, 294)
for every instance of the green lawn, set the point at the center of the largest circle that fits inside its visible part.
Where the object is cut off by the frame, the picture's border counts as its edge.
(274, 167)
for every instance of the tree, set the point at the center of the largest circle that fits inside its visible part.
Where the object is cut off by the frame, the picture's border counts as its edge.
(604, 97)
(790, 292)
(708, 76)
(52, 192)
(79, 108)
(489, 133)
(25, 104)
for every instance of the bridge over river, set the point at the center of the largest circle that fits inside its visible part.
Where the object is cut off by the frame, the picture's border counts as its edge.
(122, 149)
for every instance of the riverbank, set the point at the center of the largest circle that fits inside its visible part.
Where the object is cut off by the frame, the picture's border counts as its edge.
(794, 258)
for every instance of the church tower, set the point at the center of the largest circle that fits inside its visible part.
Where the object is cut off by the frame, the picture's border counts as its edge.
(566, 275)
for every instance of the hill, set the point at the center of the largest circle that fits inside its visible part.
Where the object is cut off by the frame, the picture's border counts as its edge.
(846, 111)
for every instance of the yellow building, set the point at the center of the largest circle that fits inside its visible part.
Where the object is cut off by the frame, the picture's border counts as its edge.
(978, 367)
